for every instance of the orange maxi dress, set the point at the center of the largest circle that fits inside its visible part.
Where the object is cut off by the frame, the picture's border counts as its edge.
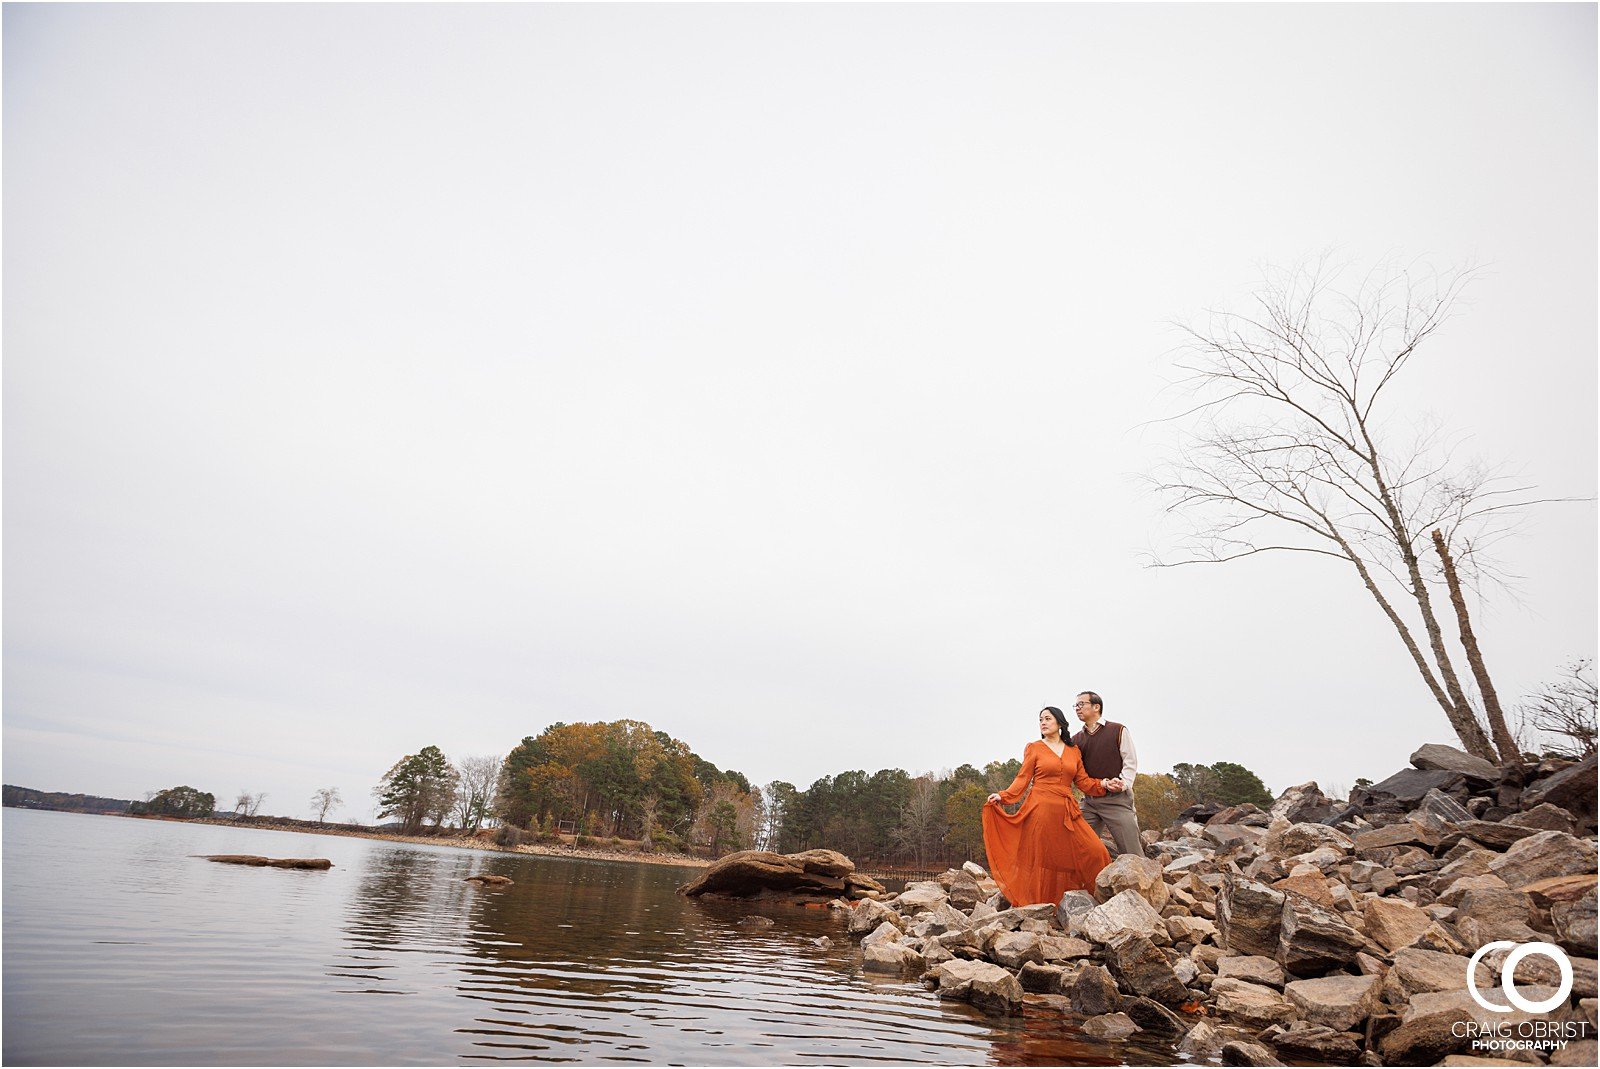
(1046, 848)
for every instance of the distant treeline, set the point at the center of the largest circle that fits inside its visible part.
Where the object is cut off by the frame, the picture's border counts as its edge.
(624, 780)
(28, 798)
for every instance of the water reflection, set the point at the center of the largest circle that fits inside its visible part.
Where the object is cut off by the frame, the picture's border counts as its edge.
(603, 963)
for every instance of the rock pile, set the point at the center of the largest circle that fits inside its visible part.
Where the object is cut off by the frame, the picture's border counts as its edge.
(1314, 931)
(759, 874)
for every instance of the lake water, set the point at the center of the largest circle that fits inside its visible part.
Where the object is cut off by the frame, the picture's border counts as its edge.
(121, 948)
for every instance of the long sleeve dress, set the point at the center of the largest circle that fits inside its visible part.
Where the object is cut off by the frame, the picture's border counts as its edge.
(1046, 848)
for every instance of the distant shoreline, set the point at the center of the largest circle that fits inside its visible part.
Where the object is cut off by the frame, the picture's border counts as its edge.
(454, 841)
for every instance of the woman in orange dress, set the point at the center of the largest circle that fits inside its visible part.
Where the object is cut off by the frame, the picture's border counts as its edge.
(1046, 848)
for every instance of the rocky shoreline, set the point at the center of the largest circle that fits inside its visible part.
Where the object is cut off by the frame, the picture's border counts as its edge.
(1317, 931)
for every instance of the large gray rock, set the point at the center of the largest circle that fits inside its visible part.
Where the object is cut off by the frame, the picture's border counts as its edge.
(1314, 940)
(1336, 1002)
(1154, 1018)
(1249, 917)
(1439, 757)
(1041, 979)
(1140, 967)
(1487, 914)
(883, 933)
(1443, 808)
(1247, 1052)
(919, 897)
(1131, 872)
(1250, 1003)
(1111, 1026)
(1125, 912)
(987, 986)
(1071, 910)
(1543, 855)
(1572, 789)
(1407, 787)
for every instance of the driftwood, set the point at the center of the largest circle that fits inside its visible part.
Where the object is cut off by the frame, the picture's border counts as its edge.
(270, 862)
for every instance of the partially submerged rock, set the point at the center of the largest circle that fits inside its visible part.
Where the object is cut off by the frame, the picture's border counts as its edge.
(816, 873)
(270, 862)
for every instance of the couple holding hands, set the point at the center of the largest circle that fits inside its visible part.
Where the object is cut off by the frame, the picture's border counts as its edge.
(1052, 845)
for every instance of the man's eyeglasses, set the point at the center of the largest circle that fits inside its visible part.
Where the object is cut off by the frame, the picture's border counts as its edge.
(1080, 705)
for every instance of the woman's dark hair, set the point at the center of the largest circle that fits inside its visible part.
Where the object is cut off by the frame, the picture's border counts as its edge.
(1061, 722)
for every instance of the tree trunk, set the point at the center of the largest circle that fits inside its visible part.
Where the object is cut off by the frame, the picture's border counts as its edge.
(1510, 756)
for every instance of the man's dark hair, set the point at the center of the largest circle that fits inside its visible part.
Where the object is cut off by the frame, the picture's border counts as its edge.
(1094, 700)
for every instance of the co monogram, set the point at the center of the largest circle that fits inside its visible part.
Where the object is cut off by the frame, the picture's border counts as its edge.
(1509, 968)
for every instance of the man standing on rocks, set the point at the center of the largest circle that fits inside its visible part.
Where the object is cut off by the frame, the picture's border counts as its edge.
(1109, 757)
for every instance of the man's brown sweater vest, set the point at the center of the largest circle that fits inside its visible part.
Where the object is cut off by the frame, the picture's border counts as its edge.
(1102, 751)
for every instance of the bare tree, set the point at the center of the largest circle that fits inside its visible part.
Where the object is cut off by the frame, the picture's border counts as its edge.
(323, 800)
(247, 804)
(475, 786)
(1566, 709)
(1292, 447)
(921, 826)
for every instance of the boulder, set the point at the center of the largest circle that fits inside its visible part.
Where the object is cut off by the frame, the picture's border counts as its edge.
(1154, 1018)
(1336, 1002)
(1071, 910)
(1064, 948)
(964, 890)
(484, 879)
(1014, 948)
(753, 872)
(1443, 808)
(868, 914)
(1313, 940)
(1438, 757)
(1393, 923)
(1094, 992)
(1253, 968)
(1575, 923)
(883, 933)
(987, 986)
(1191, 929)
(1131, 872)
(1202, 1043)
(1249, 917)
(891, 957)
(1543, 855)
(256, 861)
(1496, 835)
(1572, 789)
(1041, 979)
(1223, 836)
(1124, 912)
(1416, 971)
(1407, 787)
(1405, 833)
(1485, 914)
(1544, 817)
(1435, 1025)
(1581, 1052)
(1304, 803)
(1139, 967)
(1307, 885)
(1319, 1045)
(1251, 1004)
(1246, 1052)
(918, 897)
(1110, 1026)
(1288, 840)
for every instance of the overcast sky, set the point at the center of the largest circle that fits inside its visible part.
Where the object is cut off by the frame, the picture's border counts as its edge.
(384, 376)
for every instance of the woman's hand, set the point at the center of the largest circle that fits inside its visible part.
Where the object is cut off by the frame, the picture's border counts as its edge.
(994, 799)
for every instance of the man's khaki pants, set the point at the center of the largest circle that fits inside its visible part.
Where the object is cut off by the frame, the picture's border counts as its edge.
(1113, 815)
